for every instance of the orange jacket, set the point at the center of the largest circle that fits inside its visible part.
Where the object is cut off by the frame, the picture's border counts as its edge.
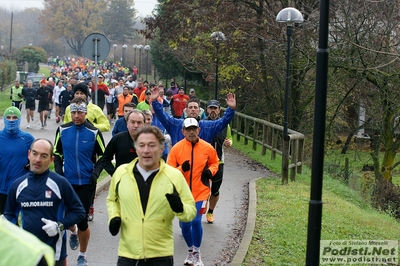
(121, 101)
(199, 155)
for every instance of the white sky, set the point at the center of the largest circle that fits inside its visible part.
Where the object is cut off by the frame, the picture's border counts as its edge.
(144, 7)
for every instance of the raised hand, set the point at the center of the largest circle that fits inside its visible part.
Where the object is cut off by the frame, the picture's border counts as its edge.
(231, 100)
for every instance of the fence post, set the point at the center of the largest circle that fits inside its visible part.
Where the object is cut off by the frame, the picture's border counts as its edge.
(264, 140)
(274, 143)
(294, 148)
(285, 162)
(246, 131)
(239, 127)
(255, 135)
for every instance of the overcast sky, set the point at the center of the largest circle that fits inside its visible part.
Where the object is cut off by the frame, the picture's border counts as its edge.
(144, 7)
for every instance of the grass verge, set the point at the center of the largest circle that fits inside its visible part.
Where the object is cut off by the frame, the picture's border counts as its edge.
(280, 234)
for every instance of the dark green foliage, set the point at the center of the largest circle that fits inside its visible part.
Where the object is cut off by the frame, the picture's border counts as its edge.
(118, 20)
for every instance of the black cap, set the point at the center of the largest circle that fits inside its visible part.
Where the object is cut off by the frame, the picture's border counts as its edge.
(213, 103)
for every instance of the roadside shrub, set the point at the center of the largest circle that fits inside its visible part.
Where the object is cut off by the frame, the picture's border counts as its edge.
(386, 197)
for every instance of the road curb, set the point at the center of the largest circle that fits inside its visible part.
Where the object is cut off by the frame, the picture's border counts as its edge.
(250, 225)
(103, 184)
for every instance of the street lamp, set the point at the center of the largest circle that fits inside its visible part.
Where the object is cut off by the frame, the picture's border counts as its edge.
(115, 48)
(134, 54)
(290, 16)
(123, 54)
(147, 49)
(216, 38)
(140, 47)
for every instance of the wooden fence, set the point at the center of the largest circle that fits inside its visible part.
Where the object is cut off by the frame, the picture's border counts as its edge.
(270, 136)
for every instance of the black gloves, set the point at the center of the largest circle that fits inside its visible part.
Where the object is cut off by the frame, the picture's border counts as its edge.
(206, 174)
(19, 95)
(10, 97)
(186, 166)
(114, 226)
(175, 201)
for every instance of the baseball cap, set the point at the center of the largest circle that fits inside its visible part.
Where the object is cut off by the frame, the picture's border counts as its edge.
(148, 92)
(192, 90)
(12, 111)
(100, 76)
(213, 103)
(190, 122)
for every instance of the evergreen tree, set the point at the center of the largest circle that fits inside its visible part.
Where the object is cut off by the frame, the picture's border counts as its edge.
(119, 19)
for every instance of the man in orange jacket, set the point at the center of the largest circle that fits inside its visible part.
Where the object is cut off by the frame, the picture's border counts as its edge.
(123, 98)
(198, 161)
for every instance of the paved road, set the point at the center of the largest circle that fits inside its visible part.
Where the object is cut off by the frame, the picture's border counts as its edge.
(219, 239)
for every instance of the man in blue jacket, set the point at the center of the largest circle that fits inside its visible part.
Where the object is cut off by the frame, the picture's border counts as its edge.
(209, 128)
(77, 147)
(45, 201)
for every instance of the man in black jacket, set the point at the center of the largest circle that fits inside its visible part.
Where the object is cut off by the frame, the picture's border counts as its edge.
(121, 145)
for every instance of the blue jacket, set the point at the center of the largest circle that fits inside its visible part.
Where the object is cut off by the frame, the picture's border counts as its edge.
(13, 157)
(77, 148)
(208, 128)
(47, 195)
(120, 126)
(158, 124)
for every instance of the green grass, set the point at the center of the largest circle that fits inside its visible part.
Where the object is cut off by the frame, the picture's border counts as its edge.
(280, 236)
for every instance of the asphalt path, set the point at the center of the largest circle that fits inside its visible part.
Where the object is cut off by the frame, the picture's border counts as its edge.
(220, 239)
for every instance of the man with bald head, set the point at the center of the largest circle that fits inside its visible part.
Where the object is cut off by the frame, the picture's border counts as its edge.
(45, 201)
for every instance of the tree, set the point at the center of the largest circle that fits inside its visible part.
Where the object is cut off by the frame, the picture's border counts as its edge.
(72, 20)
(119, 19)
(365, 52)
(33, 55)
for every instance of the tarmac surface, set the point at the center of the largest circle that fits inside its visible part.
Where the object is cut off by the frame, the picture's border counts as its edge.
(225, 242)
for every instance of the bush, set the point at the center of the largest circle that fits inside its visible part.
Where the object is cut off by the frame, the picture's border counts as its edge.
(8, 70)
(386, 197)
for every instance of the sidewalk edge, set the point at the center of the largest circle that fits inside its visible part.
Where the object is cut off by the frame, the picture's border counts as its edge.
(250, 225)
(103, 184)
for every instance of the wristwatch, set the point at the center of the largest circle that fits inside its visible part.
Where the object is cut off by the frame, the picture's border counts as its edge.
(60, 226)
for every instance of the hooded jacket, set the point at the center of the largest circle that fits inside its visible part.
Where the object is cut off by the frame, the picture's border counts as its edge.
(12, 160)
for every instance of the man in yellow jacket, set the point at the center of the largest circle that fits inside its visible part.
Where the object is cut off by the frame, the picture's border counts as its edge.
(198, 161)
(143, 199)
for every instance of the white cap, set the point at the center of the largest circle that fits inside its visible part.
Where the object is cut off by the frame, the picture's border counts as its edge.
(190, 122)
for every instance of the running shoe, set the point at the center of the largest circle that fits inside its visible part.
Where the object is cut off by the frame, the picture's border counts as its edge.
(81, 261)
(210, 218)
(32, 118)
(189, 259)
(73, 242)
(91, 213)
(197, 259)
(28, 126)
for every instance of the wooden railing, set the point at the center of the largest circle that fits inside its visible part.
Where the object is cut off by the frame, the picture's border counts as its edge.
(270, 136)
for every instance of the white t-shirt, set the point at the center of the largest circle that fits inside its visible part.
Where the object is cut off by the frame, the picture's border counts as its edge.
(56, 93)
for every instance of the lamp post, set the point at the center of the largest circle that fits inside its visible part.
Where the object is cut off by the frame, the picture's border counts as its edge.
(290, 16)
(147, 49)
(134, 54)
(123, 54)
(115, 48)
(216, 38)
(140, 47)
